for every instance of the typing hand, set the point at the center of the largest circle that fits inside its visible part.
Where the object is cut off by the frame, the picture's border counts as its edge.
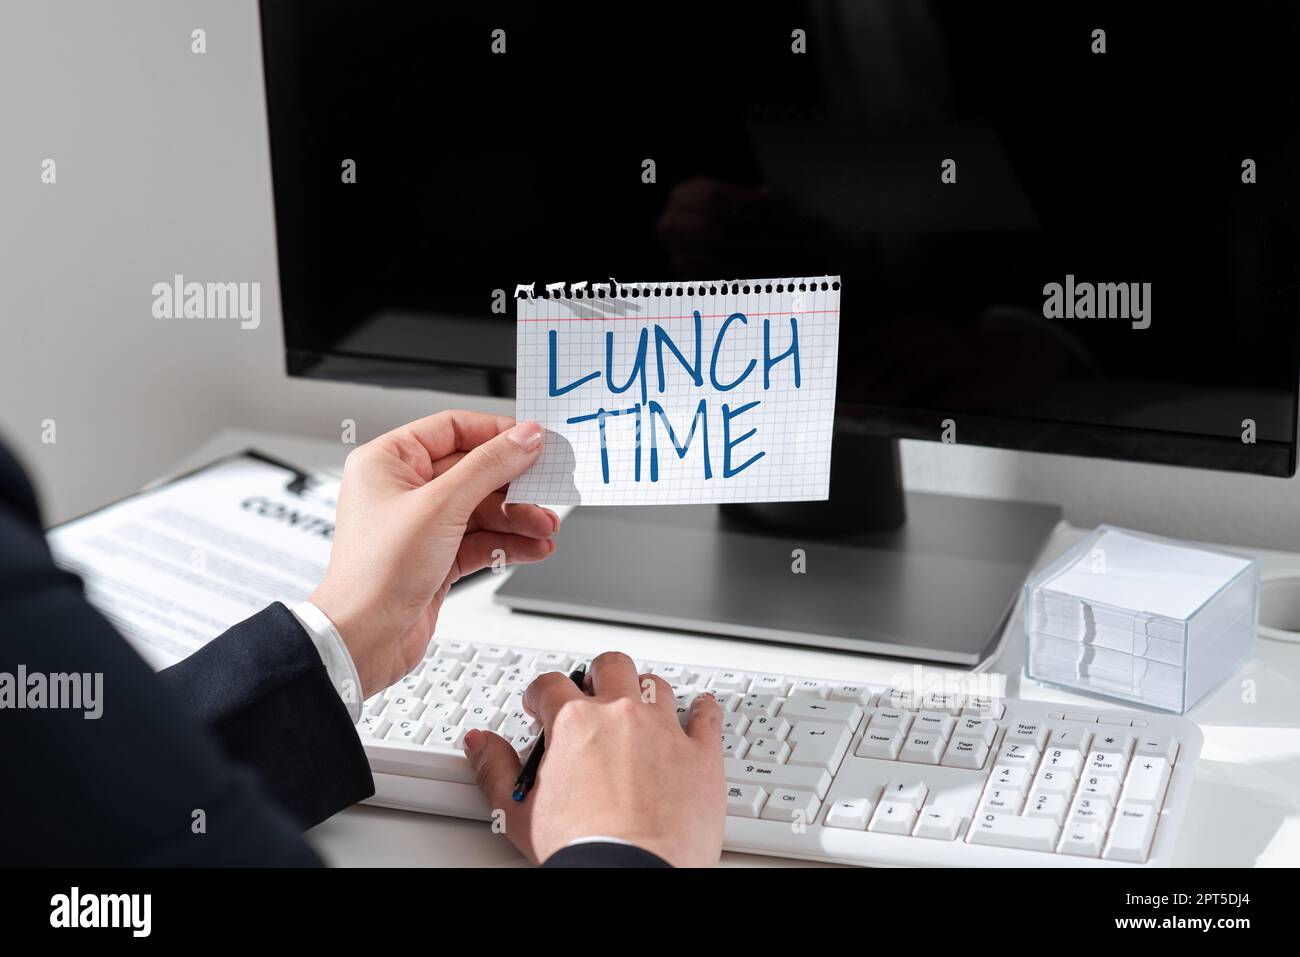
(420, 507)
(617, 764)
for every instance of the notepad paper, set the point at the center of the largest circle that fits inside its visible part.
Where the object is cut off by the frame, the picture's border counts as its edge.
(675, 393)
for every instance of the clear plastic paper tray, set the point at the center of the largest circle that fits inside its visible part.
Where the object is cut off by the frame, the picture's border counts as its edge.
(1140, 618)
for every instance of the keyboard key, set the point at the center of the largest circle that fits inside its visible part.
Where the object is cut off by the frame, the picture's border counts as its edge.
(945, 701)
(1054, 782)
(1050, 804)
(745, 800)
(772, 776)
(1112, 739)
(497, 654)
(552, 661)
(442, 711)
(1091, 809)
(1002, 801)
(892, 719)
(674, 674)
(922, 749)
(808, 688)
(814, 709)
(770, 684)
(819, 745)
(409, 731)
(481, 716)
(730, 681)
(448, 689)
(906, 789)
(768, 750)
(734, 746)
(487, 694)
(1018, 756)
(1063, 759)
(1082, 838)
(441, 667)
(727, 700)
(523, 744)
(934, 722)
(373, 725)
(1005, 830)
(735, 723)
(1157, 746)
(939, 824)
(1131, 833)
(759, 704)
(1074, 736)
(981, 729)
(791, 806)
(1010, 778)
(766, 726)
(1103, 763)
(899, 697)
(415, 685)
(1103, 786)
(852, 814)
(886, 743)
(403, 706)
(965, 753)
(1146, 781)
(893, 817)
(984, 706)
(447, 736)
(460, 650)
(482, 673)
(1030, 733)
(858, 694)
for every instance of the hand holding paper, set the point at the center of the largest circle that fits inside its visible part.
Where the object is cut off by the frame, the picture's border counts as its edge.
(681, 392)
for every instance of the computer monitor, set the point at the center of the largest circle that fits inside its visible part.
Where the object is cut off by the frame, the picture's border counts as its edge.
(1060, 228)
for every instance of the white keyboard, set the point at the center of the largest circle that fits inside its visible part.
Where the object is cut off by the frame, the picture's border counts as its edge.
(822, 770)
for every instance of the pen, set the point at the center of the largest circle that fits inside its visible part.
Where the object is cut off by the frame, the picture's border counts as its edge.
(524, 783)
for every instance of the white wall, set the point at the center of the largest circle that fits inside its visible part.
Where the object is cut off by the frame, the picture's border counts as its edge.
(163, 168)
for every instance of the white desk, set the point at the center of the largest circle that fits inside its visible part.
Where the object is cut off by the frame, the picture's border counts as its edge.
(1245, 809)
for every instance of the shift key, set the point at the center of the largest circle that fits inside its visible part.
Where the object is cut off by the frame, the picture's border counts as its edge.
(769, 776)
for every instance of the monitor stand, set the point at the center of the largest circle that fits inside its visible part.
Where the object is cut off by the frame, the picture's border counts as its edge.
(873, 570)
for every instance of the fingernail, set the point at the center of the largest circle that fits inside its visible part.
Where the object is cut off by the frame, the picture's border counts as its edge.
(526, 435)
(473, 741)
(555, 519)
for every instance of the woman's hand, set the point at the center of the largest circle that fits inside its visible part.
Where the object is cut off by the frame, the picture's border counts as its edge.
(617, 765)
(419, 508)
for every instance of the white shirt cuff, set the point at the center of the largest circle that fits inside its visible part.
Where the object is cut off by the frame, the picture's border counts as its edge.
(334, 655)
(597, 839)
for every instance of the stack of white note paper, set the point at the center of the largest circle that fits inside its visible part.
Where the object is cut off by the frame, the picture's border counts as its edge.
(1140, 618)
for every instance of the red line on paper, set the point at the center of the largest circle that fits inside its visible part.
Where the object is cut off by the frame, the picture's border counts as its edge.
(719, 315)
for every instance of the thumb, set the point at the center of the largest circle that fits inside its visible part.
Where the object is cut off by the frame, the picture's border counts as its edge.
(487, 467)
(496, 766)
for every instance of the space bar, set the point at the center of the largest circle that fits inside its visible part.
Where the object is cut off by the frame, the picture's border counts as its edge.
(771, 776)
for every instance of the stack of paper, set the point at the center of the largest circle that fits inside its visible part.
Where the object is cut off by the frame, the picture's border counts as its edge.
(1140, 618)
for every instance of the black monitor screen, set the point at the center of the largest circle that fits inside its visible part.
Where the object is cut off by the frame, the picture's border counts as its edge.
(1068, 228)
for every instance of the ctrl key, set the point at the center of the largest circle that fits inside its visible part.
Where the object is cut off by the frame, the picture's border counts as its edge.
(1004, 830)
(790, 806)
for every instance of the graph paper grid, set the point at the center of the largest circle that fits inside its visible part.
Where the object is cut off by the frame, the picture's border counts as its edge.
(604, 335)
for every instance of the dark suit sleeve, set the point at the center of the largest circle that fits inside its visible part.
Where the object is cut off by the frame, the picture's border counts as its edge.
(146, 782)
(603, 854)
(262, 689)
